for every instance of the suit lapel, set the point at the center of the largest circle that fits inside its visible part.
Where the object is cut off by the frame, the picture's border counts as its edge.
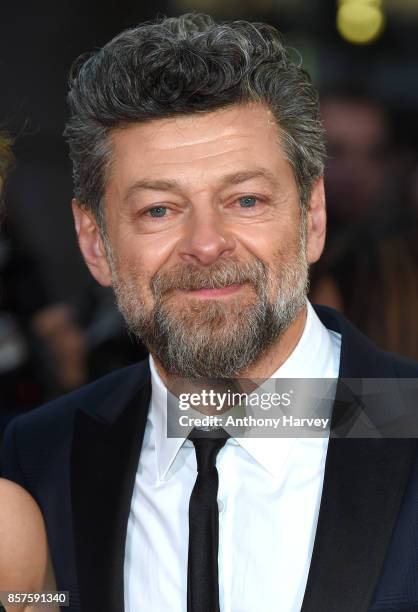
(105, 455)
(363, 487)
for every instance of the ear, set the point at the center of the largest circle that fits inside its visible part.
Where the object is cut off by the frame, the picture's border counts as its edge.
(91, 244)
(316, 222)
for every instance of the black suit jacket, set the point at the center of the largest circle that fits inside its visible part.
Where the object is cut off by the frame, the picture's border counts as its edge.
(78, 457)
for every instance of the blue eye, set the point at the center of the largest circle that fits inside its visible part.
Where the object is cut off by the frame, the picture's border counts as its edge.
(248, 201)
(157, 211)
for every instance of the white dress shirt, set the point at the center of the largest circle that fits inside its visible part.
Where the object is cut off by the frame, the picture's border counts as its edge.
(269, 496)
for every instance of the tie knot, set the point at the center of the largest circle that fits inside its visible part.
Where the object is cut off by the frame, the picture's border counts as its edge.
(207, 449)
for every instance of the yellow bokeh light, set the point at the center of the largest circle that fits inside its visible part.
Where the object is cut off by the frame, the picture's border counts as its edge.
(373, 3)
(360, 22)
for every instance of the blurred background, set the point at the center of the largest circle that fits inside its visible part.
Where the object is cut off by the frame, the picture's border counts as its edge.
(58, 329)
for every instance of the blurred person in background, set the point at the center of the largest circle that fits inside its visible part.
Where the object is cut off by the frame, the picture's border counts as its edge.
(24, 561)
(20, 388)
(24, 564)
(47, 349)
(369, 268)
(41, 345)
(32, 334)
(359, 171)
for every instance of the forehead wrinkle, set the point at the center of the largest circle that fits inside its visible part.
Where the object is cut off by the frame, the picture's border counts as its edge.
(233, 155)
(223, 143)
(226, 137)
(195, 157)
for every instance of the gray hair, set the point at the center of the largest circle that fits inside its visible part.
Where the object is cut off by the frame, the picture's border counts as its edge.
(178, 66)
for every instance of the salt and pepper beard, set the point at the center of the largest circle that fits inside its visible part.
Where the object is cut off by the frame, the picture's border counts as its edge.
(209, 337)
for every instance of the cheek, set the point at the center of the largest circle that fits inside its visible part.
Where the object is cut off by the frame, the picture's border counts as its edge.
(273, 240)
(143, 255)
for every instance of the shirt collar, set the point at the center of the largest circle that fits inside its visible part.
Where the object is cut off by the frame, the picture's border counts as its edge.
(315, 356)
(166, 448)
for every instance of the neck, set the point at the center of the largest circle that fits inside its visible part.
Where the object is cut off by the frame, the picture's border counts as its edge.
(270, 361)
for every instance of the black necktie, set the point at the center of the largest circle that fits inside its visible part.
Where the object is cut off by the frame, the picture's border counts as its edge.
(202, 571)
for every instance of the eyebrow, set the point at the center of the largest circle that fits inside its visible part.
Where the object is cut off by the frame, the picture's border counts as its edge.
(234, 178)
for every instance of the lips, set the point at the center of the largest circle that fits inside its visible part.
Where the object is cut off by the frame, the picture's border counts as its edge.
(215, 292)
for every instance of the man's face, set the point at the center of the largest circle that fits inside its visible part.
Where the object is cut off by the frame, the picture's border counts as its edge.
(205, 245)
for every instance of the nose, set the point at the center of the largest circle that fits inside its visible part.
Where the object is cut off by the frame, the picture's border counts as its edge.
(206, 238)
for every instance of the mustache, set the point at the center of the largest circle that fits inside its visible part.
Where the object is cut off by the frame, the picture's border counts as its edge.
(221, 274)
